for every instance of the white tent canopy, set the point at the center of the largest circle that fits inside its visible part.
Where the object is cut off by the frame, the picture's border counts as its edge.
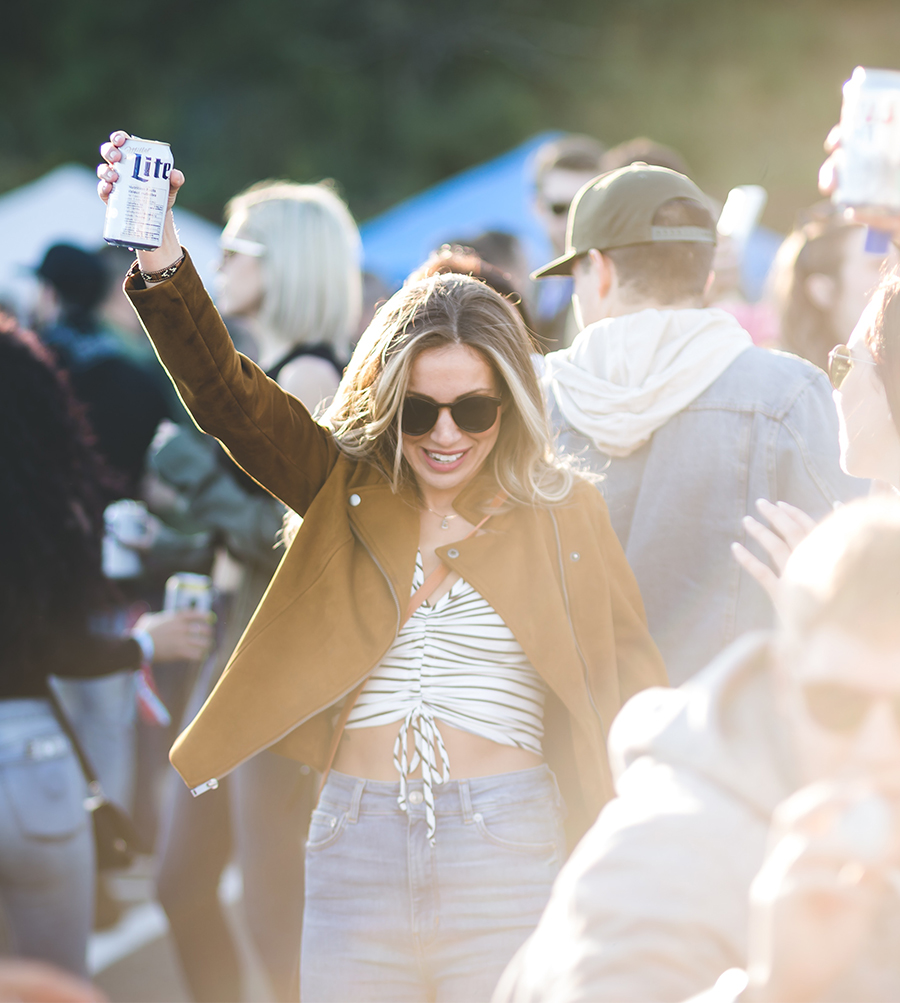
(62, 207)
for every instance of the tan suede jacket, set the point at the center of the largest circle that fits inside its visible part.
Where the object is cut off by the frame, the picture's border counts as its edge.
(556, 575)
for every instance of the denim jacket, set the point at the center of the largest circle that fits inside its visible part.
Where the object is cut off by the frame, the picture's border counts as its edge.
(766, 428)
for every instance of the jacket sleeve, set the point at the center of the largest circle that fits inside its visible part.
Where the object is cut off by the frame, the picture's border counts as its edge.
(84, 654)
(807, 458)
(269, 433)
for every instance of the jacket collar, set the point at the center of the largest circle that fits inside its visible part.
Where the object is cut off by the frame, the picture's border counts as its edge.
(388, 523)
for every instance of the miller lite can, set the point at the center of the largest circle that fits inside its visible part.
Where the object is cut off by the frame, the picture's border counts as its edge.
(868, 162)
(188, 591)
(136, 208)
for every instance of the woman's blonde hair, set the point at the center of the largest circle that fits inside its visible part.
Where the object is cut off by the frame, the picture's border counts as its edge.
(311, 263)
(436, 312)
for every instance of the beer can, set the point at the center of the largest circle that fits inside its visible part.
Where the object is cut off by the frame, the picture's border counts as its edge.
(126, 526)
(189, 591)
(136, 208)
(129, 522)
(868, 162)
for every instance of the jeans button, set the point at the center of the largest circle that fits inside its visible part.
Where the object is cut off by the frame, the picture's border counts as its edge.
(416, 797)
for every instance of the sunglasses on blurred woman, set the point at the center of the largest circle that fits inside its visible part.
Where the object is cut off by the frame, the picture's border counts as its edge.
(840, 362)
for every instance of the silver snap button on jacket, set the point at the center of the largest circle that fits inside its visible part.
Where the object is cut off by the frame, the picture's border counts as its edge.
(415, 797)
(355, 500)
(575, 555)
(453, 552)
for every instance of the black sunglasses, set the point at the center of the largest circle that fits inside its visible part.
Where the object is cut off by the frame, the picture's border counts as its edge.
(472, 414)
(842, 708)
(840, 362)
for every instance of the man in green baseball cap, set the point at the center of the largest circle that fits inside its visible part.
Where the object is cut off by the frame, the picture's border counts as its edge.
(685, 419)
(618, 209)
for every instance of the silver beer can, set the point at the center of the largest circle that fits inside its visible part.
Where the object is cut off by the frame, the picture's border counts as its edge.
(868, 162)
(136, 209)
(189, 591)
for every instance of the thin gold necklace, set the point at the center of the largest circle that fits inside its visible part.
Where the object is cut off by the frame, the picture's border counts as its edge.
(445, 519)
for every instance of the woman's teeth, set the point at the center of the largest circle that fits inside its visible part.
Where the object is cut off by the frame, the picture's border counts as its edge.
(444, 457)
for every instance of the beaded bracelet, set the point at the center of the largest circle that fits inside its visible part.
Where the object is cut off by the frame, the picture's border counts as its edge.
(163, 273)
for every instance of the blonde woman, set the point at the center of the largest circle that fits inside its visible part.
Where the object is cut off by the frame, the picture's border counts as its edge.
(454, 619)
(290, 274)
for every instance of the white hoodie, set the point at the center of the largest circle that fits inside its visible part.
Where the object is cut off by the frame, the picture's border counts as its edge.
(625, 377)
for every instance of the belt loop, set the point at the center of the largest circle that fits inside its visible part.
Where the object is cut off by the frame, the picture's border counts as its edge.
(465, 801)
(355, 798)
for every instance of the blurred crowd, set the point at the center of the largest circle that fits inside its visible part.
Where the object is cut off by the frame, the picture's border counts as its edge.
(749, 846)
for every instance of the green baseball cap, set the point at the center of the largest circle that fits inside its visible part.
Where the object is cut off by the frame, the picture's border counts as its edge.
(617, 210)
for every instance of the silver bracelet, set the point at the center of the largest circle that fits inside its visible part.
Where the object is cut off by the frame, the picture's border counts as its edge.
(163, 273)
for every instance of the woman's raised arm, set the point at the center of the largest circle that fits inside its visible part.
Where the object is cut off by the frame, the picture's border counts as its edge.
(267, 431)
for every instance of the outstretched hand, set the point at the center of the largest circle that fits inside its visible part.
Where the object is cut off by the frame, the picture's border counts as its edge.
(789, 526)
(108, 174)
(169, 251)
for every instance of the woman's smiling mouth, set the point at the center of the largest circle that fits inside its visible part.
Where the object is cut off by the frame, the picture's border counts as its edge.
(444, 461)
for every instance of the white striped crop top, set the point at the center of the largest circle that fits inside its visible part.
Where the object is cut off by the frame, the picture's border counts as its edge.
(457, 661)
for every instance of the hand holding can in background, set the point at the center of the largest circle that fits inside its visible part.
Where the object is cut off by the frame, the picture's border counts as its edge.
(862, 171)
(178, 635)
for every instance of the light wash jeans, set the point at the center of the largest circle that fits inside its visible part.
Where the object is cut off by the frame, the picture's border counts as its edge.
(102, 712)
(390, 918)
(46, 839)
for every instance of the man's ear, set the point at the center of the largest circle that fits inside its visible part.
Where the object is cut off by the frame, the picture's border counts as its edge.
(603, 271)
(821, 290)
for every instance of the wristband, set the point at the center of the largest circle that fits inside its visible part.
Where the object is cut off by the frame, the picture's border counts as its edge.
(148, 648)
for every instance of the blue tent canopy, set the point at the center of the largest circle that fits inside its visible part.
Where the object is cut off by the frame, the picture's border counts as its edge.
(496, 195)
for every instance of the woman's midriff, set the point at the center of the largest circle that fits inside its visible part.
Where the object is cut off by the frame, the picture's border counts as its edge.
(369, 753)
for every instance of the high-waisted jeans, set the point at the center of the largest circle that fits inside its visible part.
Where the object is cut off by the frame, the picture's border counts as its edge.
(390, 918)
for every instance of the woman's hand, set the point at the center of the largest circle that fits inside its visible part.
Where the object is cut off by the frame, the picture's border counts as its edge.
(813, 903)
(828, 182)
(791, 525)
(178, 635)
(169, 250)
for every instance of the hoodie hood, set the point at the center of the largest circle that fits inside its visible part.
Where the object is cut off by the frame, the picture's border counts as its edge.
(625, 377)
(722, 724)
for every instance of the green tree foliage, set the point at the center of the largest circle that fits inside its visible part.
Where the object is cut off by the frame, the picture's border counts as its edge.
(388, 96)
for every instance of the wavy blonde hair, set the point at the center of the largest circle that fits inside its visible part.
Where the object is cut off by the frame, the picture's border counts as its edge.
(435, 312)
(311, 264)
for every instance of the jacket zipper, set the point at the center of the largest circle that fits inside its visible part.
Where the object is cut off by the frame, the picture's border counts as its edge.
(213, 783)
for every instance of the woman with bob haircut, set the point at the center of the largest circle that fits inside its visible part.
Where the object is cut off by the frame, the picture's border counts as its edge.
(453, 628)
(290, 272)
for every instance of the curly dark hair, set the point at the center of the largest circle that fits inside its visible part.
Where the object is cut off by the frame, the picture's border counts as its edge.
(52, 485)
